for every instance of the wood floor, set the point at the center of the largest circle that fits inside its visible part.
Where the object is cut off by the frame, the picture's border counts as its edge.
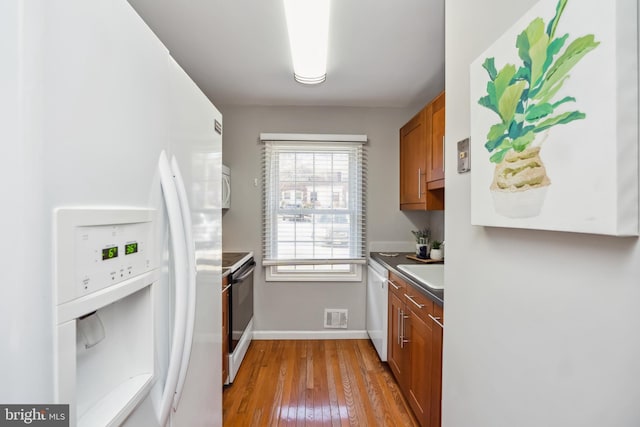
(314, 383)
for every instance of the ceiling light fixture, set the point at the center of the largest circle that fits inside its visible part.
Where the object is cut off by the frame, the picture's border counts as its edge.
(308, 26)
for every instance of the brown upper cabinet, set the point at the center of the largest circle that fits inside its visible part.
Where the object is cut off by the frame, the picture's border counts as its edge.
(435, 143)
(422, 158)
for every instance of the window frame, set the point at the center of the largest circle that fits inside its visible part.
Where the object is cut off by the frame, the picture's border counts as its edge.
(276, 267)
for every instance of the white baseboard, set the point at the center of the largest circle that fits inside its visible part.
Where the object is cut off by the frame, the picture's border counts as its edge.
(310, 335)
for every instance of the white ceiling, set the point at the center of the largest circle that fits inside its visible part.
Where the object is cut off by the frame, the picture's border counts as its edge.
(382, 53)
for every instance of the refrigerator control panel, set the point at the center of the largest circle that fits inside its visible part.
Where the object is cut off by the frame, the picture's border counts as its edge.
(109, 254)
(100, 248)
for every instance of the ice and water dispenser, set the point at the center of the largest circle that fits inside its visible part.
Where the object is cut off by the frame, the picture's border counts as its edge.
(106, 268)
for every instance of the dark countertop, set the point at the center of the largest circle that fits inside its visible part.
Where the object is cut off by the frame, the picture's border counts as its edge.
(234, 260)
(391, 263)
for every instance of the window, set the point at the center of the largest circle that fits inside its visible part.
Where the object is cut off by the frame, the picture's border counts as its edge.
(314, 207)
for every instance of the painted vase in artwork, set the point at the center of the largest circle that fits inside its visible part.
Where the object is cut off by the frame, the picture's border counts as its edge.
(520, 184)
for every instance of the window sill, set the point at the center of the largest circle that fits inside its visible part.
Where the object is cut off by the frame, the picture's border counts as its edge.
(355, 275)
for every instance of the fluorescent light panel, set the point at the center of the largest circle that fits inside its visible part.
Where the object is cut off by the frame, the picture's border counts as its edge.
(308, 25)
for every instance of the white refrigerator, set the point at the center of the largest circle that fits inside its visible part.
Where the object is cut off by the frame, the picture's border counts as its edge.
(90, 99)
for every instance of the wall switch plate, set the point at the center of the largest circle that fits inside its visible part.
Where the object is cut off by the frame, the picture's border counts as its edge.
(464, 162)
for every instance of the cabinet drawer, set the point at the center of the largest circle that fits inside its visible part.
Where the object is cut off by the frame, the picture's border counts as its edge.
(438, 314)
(397, 285)
(417, 302)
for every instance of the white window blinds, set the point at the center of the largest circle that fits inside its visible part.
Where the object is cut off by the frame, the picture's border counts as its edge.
(314, 202)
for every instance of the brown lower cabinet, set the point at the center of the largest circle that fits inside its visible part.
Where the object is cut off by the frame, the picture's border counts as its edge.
(415, 349)
(225, 329)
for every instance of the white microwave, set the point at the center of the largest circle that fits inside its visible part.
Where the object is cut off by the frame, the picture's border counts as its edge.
(226, 187)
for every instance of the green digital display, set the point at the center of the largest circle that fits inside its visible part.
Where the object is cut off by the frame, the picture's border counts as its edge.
(131, 248)
(110, 253)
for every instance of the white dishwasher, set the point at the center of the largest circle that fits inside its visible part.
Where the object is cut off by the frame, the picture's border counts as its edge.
(377, 303)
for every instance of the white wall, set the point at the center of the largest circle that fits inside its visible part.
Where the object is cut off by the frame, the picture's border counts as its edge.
(542, 328)
(300, 306)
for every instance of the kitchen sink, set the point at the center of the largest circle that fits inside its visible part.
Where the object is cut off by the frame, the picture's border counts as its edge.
(431, 275)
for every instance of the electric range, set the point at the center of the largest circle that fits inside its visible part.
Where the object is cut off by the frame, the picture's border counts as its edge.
(241, 267)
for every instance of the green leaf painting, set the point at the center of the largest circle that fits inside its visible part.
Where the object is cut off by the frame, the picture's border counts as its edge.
(523, 95)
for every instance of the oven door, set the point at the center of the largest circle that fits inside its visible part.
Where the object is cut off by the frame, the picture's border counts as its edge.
(240, 302)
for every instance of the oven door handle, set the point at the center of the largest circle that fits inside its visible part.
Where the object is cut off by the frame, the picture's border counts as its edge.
(245, 275)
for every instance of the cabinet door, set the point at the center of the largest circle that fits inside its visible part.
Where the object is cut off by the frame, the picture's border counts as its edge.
(395, 344)
(435, 144)
(436, 362)
(418, 374)
(412, 163)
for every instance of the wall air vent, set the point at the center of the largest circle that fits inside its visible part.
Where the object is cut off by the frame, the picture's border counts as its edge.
(335, 318)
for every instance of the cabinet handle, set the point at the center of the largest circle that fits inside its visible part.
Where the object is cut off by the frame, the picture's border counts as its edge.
(419, 183)
(399, 323)
(442, 153)
(402, 317)
(437, 320)
(413, 301)
(396, 287)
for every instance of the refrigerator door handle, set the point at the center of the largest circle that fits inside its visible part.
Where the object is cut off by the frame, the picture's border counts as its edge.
(191, 284)
(178, 247)
(226, 191)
